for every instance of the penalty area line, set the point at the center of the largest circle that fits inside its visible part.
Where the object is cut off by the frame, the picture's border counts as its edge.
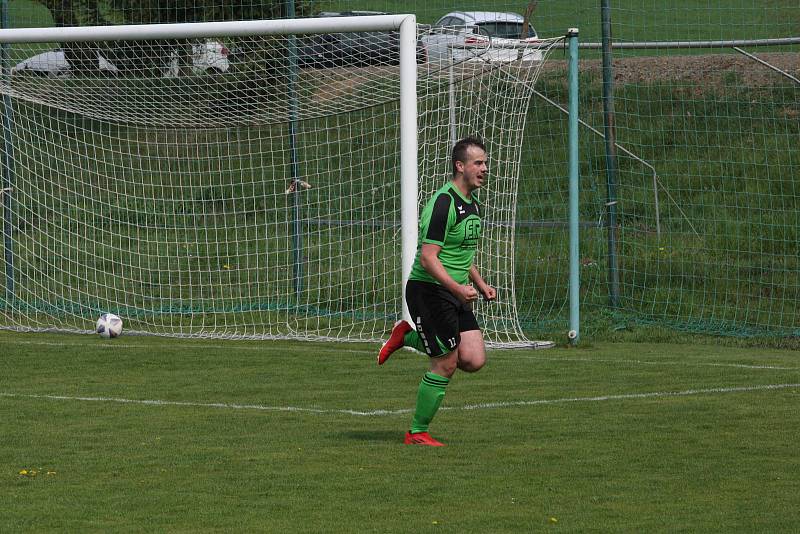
(629, 396)
(378, 413)
(655, 363)
(240, 344)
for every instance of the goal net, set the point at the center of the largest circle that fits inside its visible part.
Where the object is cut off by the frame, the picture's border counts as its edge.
(241, 185)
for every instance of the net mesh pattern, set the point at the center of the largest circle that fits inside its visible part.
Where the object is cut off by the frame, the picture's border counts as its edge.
(246, 187)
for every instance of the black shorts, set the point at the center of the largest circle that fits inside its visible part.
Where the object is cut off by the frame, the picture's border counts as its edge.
(439, 316)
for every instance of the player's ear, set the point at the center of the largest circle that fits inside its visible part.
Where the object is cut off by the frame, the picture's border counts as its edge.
(459, 166)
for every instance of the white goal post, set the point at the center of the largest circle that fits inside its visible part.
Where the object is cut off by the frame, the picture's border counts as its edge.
(405, 24)
(257, 199)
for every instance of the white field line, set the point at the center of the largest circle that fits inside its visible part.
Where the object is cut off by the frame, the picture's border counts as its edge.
(659, 362)
(374, 413)
(118, 344)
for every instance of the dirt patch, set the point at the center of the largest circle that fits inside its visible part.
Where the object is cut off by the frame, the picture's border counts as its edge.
(337, 86)
(713, 70)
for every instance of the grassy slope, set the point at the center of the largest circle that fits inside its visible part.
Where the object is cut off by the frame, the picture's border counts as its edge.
(634, 19)
(712, 177)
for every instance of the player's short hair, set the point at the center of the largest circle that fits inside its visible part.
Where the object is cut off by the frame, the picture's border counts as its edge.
(460, 150)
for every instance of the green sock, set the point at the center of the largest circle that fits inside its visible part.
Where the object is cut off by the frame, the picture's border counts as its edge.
(429, 397)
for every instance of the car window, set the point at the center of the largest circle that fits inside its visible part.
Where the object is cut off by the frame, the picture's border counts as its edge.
(505, 30)
(447, 21)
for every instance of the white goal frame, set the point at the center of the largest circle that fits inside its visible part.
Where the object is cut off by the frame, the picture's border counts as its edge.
(143, 233)
(405, 24)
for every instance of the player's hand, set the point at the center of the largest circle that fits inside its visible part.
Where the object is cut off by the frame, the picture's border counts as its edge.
(489, 293)
(467, 293)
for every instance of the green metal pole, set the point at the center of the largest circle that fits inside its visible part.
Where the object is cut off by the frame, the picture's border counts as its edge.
(297, 226)
(7, 163)
(574, 191)
(611, 157)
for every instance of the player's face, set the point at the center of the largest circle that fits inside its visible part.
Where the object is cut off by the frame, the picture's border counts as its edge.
(475, 167)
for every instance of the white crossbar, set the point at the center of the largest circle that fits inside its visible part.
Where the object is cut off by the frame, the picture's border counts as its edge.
(136, 32)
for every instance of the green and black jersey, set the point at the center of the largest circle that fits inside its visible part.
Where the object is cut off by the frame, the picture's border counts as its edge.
(452, 222)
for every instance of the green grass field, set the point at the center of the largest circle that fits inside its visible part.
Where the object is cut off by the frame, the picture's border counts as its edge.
(655, 431)
(155, 434)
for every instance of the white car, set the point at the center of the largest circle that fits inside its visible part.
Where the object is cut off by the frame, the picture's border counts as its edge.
(53, 63)
(210, 57)
(207, 58)
(481, 36)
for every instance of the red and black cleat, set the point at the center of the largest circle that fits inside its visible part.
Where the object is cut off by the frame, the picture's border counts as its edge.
(421, 438)
(399, 330)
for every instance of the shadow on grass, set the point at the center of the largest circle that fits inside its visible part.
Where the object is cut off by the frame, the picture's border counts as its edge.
(374, 435)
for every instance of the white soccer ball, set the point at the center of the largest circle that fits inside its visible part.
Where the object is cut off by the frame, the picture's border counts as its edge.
(109, 325)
